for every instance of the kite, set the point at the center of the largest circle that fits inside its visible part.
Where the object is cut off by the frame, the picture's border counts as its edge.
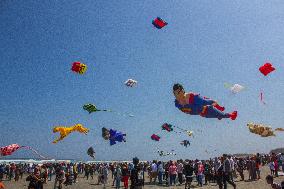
(113, 136)
(162, 153)
(92, 108)
(185, 143)
(155, 137)
(159, 23)
(130, 82)
(10, 149)
(79, 67)
(194, 104)
(260, 129)
(266, 69)
(169, 127)
(279, 129)
(65, 131)
(91, 152)
(236, 88)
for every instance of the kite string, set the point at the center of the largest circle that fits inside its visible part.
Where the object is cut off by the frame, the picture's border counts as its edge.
(35, 151)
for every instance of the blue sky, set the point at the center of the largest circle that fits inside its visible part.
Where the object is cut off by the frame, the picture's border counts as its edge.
(205, 44)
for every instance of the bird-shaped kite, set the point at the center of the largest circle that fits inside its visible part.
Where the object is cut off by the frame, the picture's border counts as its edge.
(65, 131)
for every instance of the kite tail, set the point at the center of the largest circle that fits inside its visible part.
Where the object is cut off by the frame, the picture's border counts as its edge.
(121, 114)
(181, 129)
(33, 150)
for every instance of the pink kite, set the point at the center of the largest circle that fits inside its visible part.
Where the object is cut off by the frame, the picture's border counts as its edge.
(10, 149)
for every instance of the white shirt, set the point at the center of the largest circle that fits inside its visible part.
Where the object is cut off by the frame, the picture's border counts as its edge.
(154, 167)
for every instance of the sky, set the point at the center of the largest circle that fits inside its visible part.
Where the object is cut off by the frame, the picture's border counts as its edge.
(204, 45)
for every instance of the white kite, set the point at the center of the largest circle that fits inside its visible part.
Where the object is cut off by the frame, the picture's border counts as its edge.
(130, 82)
(236, 88)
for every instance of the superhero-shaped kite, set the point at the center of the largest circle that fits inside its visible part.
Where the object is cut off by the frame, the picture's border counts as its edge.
(194, 104)
(10, 149)
(155, 137)
(159, 23)
(266, 69)
(130, 82)
(113, 136)
(92, 108)
(79, 67)
(163, 153)
(185, 143)
(91, 152)
(65, 131)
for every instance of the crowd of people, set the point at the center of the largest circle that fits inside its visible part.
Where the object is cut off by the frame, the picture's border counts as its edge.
(220, 170)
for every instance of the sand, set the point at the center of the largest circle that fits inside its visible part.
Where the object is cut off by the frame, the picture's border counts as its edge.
(91, 184)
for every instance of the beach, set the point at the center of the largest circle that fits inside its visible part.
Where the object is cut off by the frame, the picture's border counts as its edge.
(91, 183)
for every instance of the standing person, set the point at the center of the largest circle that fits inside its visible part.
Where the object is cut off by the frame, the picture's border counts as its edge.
(271, 167)
(125, 176)
(105, 173)
(87, 171)
(257, 165)
(281, 158)
(160, 172)
(188, 172)
(240, 168)
(226, 172)
(200, 171)
(117, 176)
(154, 172)
(219, 171)
(173, 173)
(180, 172)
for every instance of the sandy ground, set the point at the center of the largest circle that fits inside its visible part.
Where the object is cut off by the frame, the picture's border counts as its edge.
(90, 184)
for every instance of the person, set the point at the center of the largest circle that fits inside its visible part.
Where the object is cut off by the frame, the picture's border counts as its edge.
(274, 185)
(281, 158)
(33, 181)
(200, 171)
(194, 104)
(188, 172)
(160, 172)
(173, 173)
(226, 172)
(117, 176)
(154, 172)
(125, 176)
(180, 172)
